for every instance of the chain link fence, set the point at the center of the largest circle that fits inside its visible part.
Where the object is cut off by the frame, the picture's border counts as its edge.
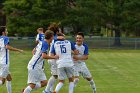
(92, 42)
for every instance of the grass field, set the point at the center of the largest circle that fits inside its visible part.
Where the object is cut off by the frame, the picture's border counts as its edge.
(114, 71)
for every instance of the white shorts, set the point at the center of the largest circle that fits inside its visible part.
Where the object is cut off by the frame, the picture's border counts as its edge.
(4, 71)
(65, 72)
(80, 68)
(53, 67)
(36, 75)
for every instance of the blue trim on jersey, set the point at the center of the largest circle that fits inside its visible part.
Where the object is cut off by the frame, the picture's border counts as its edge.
(36, 62)
(6, 56)
(86, 49)
(72, 46)
(41, 37)
(45, 47)
(53, 49)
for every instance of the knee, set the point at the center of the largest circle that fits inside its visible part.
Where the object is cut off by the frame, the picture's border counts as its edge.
(43, 83)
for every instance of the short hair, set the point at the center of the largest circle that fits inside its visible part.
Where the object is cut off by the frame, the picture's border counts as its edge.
(49, 34)
(40, 29)
(2, 29)
(81, 34)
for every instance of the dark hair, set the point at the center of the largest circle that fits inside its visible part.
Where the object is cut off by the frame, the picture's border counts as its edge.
(81, 34)
(49, 34)
(60, 34)
(2, 29)
(54, 27)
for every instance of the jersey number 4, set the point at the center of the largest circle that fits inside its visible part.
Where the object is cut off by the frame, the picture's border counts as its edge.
(63, 48)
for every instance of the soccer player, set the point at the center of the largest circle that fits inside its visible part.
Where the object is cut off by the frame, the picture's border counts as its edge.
(79, 63)
(36, 75)
(40, 35)
(52, 62)
(4, 59)
(64, 48)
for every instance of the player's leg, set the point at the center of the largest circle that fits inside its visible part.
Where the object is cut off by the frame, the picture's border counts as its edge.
(42, 80)
(3, 74)
(8, 83)
(70, 75)
(76, 75)
(33, 79)
(61, 76)
(50, 84)
(53, 78)
(87, 75)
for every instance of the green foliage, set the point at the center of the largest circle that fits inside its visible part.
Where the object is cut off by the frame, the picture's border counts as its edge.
(81, 14)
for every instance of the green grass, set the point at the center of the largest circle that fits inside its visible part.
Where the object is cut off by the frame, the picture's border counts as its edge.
(114, 71)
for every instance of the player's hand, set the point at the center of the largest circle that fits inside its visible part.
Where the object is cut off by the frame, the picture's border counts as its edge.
(75, 58)
(56, 57)
(21, 51)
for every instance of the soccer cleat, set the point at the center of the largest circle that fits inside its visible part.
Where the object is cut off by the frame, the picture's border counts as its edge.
(22, 90)
(46, 92)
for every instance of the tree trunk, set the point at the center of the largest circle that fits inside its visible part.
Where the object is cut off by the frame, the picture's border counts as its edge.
(117, 41)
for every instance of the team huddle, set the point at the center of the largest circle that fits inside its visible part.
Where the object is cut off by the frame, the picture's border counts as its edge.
(66, 60)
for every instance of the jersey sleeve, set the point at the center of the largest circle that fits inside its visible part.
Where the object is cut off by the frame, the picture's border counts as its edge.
(73, 46)
(37, 38)
(86, 50)
(44, 47)
(6, 41)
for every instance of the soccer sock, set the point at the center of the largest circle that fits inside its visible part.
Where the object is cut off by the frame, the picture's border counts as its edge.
(50, 84)
(92, 84)
(58, 87)
(8, 85)
(27, 89)
(38, 85)
(76, 81)
(71, 87)
(0, 82)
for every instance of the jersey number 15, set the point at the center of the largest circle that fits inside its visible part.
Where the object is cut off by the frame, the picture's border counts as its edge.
(63, 48)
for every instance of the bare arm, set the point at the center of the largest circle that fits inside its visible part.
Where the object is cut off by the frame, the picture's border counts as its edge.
(45, 56)
(84, 57)
(13, 49)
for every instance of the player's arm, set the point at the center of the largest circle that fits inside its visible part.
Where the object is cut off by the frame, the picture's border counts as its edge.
(46, 56)
(84, 57)
(13, 49)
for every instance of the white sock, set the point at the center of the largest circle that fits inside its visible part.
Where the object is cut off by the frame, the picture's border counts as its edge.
(58, 87)
(38, 85)
(27, 89)
(50, 84)
(76, 81)
(92, 84)
(71, 87)
(0, 82)
(8, 85)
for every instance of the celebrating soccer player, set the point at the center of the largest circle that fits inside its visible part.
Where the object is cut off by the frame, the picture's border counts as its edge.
(36, 75)
(79, 63)
(4, 58)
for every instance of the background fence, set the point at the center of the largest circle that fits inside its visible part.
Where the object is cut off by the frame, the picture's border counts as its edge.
(92, 42)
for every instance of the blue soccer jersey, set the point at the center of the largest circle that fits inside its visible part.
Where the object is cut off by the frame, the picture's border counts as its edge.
(63, 49)
(40, 37)
(4, 53)
(37, 61)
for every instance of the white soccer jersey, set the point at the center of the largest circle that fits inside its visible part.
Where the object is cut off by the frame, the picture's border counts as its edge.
(37, 62)
(63, 49)
(83, 50)
(4, 53)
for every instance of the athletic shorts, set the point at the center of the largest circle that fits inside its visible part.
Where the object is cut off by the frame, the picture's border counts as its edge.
(36, 75)
(82, 69)
(4, 71)
(53, 67)
(65, 72)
